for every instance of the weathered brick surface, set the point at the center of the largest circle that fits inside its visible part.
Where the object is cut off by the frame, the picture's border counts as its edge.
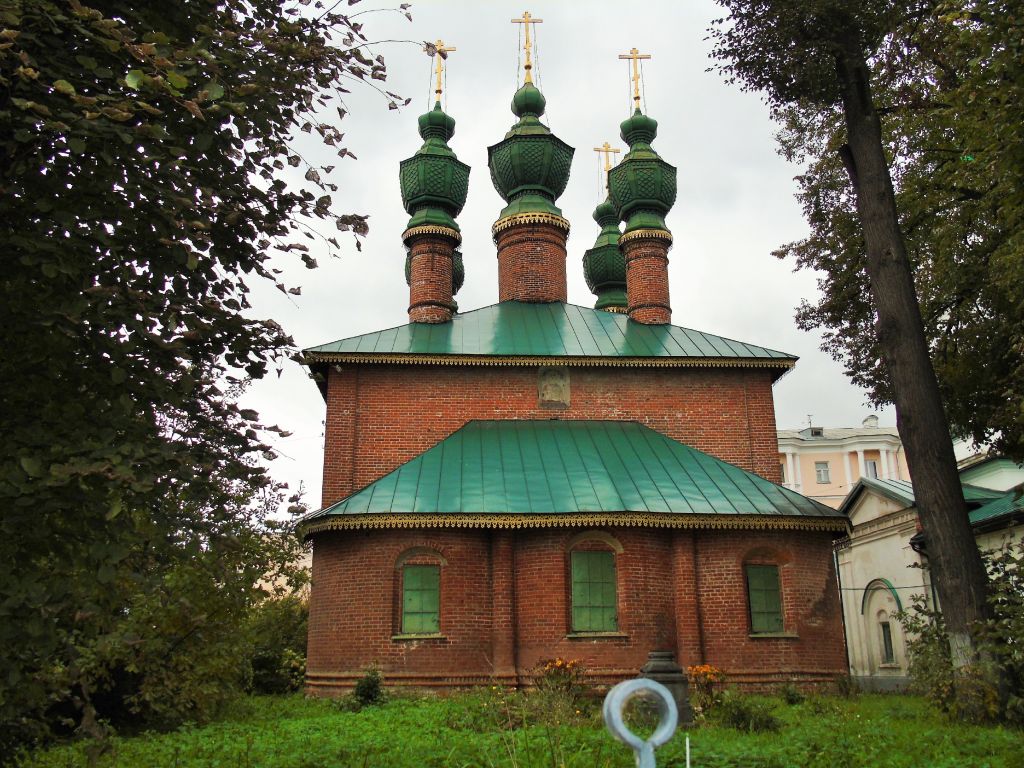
(430, 281)
(647, 296)
(505, 605)
(531, 263)
(394, 413)
(505, 601)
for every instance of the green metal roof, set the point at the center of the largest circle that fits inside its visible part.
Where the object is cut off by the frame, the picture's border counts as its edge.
(1007, 505)
(558, 469)
(519, 329)
(902, 492)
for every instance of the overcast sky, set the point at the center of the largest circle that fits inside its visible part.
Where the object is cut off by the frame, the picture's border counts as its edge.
(736, 195)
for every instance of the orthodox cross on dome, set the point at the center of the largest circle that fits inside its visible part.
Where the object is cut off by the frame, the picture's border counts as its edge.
(607, 150)
(441, 52)
(527, 20)
(635, 56)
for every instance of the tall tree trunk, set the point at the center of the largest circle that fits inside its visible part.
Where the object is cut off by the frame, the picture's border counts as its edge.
(956, 567)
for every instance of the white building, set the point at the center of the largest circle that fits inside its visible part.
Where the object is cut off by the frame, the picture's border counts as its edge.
(880, 564)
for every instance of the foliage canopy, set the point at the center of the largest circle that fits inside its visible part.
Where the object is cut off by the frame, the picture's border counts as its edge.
(148, 172)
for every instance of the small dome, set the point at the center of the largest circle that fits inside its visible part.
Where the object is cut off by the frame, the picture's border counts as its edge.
(638, 129)
(436, 124)
(605, 213)
(528, 100)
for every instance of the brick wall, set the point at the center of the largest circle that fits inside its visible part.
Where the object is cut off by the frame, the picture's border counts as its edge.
(505, 605)
(430, 278)
(393, 413)
(531, 263)
(647, 293)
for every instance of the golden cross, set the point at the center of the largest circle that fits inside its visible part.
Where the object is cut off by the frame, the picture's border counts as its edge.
(635, 55)
(442, 54)
(607, 149)
(527, 20)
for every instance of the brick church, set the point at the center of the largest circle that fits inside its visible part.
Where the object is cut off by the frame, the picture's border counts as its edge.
(535, 479)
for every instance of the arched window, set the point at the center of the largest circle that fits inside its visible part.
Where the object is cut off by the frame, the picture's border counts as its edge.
(761, 570)
(594, 590)
(419, 574)
(885, 647)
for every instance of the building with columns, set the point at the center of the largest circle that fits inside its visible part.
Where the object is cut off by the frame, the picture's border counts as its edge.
(535, 479)
(825, 463)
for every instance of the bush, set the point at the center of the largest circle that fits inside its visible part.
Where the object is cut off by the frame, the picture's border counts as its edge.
(703, 679)
(559, 694)
(745, 713)
(278, 630)
(370, 688)
(791, 694)
(992, 688)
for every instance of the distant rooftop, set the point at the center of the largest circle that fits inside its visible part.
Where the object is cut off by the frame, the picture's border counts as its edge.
(837, 433)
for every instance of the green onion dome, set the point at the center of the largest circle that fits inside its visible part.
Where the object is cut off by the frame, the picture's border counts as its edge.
(643, 186)
(434, 183)
(530, 167)
(603, 265)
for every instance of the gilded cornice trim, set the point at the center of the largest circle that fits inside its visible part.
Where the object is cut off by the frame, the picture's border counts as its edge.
(535, 360)
(637, 234)
(529, 218)
(580, 520)
(432, 229)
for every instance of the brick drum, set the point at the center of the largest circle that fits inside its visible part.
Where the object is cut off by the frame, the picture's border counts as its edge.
(430, 279)
(531, 263)
(647, 295)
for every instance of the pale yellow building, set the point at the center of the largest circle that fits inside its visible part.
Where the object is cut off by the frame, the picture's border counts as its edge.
(826, 463)
(880, 564)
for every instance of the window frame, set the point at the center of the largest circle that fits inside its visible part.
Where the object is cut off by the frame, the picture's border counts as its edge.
(416, 628)
(822, 470)
(887, 648)
(871, 468)
(755, 598)
(608, 622)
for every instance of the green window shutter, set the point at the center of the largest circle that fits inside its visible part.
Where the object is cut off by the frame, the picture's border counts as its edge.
(593, 592)
(421, 599)
(765, 598)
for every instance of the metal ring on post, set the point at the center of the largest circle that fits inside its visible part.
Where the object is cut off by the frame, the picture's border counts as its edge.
(615, 704)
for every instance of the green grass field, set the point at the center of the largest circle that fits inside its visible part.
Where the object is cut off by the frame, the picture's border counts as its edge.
(490, 729)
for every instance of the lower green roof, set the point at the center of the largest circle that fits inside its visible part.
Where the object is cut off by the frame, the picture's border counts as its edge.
(902, 492)
(1006, 506)
(564, 473)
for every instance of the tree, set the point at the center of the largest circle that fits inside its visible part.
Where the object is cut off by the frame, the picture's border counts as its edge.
(949, 77)
(146, 156)
(817, 54)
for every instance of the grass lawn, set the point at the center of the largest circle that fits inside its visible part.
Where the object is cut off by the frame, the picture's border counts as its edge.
(473, 730)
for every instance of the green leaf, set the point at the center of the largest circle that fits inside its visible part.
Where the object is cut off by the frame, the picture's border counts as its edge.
(76, 145)
(177, 80)
(63, 86)
(214, 90)
(134, 79)
(33, 467)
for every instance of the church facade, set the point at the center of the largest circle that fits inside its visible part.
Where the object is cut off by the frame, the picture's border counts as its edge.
(536, 479)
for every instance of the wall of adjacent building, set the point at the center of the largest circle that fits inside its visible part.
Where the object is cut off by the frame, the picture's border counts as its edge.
(846, 465)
